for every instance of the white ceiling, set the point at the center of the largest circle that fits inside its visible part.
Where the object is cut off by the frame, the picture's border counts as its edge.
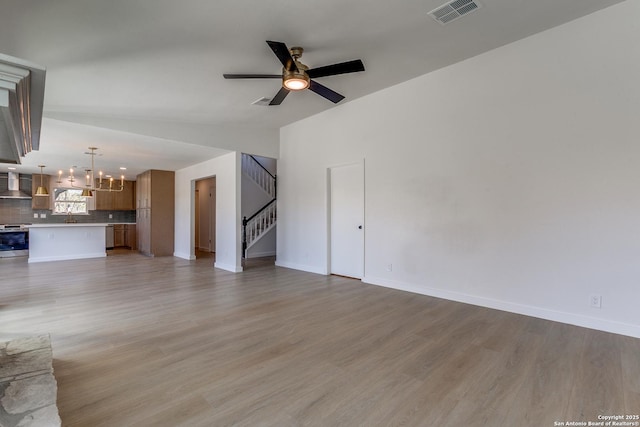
(130, 64)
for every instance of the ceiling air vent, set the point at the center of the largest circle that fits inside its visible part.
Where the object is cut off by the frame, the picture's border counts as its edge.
(453, 10)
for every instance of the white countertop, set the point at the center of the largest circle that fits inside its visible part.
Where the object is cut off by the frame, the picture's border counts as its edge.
(78, 224)
(75, 224)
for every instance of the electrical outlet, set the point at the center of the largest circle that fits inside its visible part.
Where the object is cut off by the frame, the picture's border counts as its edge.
(110, 216)
(43, 215)
(595, 301)
(35, 215)
(389, 267)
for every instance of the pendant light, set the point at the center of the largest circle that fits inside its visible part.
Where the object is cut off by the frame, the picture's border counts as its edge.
(41, 190)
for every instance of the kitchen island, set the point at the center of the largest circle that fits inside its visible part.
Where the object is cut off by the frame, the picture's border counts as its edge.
(59, 242)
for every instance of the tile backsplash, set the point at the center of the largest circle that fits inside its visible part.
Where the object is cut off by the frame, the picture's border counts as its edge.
(17, 211)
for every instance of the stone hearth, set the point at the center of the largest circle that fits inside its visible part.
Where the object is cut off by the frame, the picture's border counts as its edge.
(28, 389)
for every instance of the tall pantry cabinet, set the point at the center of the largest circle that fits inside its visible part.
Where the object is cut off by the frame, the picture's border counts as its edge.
(155, 194)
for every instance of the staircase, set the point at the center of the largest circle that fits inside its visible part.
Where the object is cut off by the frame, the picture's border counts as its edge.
(258, 224)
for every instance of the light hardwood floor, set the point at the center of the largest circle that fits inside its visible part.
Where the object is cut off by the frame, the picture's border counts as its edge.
(166, 342)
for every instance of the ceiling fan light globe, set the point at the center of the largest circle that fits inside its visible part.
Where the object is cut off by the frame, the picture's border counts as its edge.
(296, 84)
(295, 80)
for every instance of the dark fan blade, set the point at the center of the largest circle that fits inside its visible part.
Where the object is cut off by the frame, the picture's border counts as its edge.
(342, 68)
(252, 76)
(324, 91)
(282, 52)
(280, 96)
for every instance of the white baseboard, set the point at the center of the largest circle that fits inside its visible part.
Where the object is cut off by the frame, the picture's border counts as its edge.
(184, 255)
(228, 267)
(260, 254)
(527, 310)
(67, 257)
(302, 267)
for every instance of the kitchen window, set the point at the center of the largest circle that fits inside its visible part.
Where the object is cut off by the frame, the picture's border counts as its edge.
(69, 201)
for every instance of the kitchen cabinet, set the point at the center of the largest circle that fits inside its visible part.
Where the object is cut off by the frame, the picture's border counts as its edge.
(119, 235)
(116, 200)
(124, 236)
(104, 200)
(143, 190)
(155, 195)
(125, 200)
(40, 202)
(130, 236)
(63, 242)
(143, 231)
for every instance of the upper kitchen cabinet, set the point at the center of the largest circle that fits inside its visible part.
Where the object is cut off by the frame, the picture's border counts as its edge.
(126, 199)
(143, 190)
(117, 200)
(40, 202)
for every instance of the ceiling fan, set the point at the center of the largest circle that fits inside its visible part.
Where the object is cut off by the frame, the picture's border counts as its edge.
(297, 76)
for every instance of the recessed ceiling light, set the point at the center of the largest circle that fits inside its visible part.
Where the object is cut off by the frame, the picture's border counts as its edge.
(11, 168)
(123, 168)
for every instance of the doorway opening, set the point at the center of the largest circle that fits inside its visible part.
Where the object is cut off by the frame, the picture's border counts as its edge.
(205, 219)
(258, 210)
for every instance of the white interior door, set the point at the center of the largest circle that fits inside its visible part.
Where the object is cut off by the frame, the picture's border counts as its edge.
(212, 215)
(347, 220)
(197, 218)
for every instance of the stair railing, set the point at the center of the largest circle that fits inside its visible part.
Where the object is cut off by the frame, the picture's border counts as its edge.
(257, 224)
(259, 174)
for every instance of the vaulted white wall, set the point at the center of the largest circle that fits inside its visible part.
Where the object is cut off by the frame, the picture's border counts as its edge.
(509, 180)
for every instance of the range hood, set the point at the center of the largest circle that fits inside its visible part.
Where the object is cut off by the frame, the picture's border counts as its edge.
(21, 102)
(14, 188)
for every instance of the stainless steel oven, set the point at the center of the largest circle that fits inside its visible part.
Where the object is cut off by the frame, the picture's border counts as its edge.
(14, 240)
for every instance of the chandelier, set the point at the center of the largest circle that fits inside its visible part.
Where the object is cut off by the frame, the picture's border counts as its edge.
(90, 185)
